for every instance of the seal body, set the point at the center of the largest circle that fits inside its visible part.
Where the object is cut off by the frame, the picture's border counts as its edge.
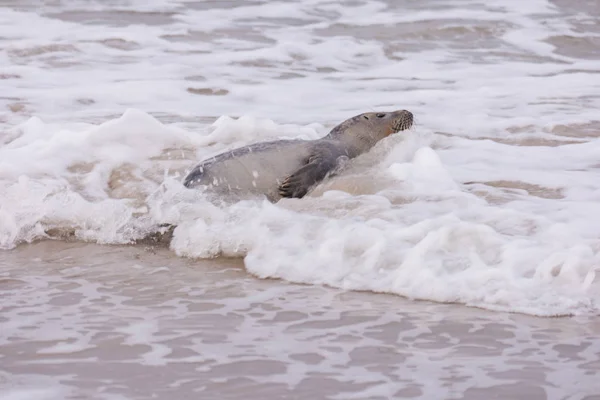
(290, 168)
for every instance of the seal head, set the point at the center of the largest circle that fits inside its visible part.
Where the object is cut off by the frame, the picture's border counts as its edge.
(363, 131)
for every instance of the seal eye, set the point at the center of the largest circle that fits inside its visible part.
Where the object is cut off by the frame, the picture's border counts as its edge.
(380, 115)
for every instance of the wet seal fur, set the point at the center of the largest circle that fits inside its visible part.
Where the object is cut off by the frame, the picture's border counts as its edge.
(291, 168)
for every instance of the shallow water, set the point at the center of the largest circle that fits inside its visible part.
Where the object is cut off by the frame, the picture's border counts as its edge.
(488, 201)
(84, 321)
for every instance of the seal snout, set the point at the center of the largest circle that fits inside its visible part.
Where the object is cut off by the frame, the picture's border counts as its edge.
(403, 120)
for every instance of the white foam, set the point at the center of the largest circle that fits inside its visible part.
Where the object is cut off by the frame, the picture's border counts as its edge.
(425, 172)
(444, 244)
(81, 155)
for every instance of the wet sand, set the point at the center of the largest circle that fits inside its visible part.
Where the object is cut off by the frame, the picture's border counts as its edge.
(84, 321)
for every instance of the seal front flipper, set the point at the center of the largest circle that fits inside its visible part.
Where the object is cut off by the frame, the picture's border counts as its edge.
(299, 183)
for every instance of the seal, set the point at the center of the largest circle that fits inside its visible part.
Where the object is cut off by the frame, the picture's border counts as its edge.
(291, 168)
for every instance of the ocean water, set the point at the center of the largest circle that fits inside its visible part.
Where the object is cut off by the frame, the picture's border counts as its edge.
(432, 267)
